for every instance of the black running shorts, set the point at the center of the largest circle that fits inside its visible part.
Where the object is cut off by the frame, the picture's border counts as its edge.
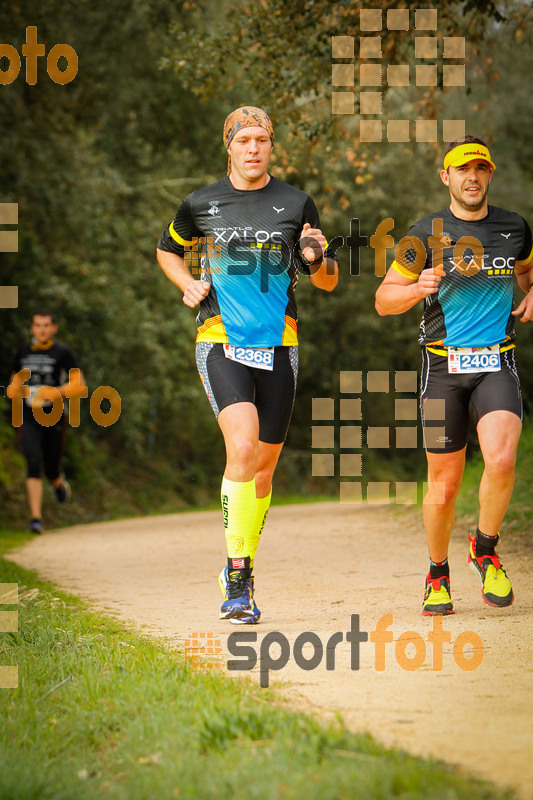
(272, 392)
(457, 398)
(41, 443)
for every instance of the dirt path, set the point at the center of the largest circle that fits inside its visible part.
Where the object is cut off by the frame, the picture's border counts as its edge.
(349, 560)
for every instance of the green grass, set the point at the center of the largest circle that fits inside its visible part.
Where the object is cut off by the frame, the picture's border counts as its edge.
(102, 712)
(519, 517)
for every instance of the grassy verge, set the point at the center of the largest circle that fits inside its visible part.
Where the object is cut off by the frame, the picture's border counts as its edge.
(102, 712)
(519, 517)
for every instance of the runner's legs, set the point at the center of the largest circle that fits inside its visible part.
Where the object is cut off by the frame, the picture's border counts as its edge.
(498, 434)
(445, 472)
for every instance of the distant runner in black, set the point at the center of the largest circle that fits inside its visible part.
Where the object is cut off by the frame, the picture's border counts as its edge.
(49, 363)
(462, 261)
(249, 235)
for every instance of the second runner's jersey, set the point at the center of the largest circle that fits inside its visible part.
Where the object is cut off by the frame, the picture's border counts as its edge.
(49, 365)
(247, 245)
(472, 307)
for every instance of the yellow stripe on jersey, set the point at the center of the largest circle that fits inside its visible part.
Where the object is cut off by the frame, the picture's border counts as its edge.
(290, 337)
(403, 271)
(213, 331)
(444, 352)
(525, 260)
(179, 239)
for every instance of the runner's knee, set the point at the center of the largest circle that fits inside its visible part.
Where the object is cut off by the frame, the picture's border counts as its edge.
(501, 463)
(52, 473)
(242, 450)
(443, 489)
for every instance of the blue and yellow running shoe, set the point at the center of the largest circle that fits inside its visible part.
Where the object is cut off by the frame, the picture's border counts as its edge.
(239, 605)
(496, 589)
(437, 599)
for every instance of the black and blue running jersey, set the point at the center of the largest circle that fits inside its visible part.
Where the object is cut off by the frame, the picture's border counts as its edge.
(473, 304)
(245, 242)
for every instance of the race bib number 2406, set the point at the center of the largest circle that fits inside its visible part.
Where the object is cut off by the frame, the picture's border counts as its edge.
(474, 359)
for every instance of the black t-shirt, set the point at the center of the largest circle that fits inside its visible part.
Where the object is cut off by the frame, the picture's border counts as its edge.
(49, 366)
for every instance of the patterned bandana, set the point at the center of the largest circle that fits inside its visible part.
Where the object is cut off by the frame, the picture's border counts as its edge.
(245, 117)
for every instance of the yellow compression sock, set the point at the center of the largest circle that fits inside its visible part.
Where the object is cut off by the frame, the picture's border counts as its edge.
(238, 508)
(262, 504)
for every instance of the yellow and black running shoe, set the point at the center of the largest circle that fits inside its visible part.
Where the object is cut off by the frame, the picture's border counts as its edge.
(496, 589)
(437, 599)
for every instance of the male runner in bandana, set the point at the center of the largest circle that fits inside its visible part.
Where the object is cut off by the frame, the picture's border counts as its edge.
(461, 262)
(254, 233)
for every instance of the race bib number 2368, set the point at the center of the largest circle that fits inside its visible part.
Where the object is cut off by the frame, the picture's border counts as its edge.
(258, 357)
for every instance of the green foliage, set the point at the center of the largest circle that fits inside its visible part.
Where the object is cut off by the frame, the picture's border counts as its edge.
(288, 44)
(92, 181)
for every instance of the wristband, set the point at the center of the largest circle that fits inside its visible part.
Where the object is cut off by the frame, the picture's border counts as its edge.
(314, 263)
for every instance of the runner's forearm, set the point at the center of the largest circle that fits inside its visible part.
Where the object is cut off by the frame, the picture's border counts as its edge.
(175, 269)
(392, 298)
(327, 275)
(525, 279)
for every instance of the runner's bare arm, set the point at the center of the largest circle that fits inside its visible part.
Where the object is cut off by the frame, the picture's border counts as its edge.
(524, 276)
(397, 293)
(325, 275)
(177, 271)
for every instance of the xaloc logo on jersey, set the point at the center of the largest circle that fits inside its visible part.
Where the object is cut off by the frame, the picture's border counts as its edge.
(248, 250)
(246, 236)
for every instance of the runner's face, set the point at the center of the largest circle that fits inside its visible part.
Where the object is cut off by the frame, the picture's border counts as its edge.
(250, 151)
(43, 328)
(468, 184)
